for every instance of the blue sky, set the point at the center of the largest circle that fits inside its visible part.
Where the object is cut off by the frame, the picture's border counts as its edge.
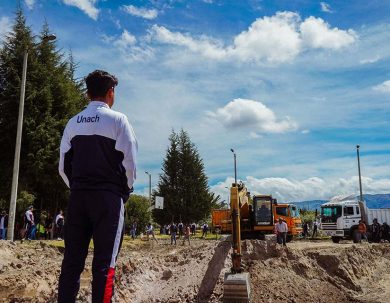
(292, 86)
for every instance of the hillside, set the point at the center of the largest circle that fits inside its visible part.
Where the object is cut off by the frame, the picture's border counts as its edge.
(373, 201)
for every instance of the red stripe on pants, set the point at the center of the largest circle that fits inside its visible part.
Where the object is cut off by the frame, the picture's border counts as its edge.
(109, 285)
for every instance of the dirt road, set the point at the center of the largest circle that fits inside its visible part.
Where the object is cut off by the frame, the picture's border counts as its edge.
(151, 272)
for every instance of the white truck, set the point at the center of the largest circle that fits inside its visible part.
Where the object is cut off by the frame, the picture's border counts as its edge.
(340, 217)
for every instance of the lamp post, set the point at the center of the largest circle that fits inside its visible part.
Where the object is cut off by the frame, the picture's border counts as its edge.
(235, 166)
(150, 188)
(15, 173)
(360, 176)
(228, 205)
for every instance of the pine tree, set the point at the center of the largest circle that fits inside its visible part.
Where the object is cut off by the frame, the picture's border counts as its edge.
(52, 97)
(183, 184)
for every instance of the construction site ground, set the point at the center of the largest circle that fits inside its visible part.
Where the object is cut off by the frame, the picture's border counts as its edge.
(305, 271)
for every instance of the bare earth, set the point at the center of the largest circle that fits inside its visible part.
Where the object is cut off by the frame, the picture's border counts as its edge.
(150, 272)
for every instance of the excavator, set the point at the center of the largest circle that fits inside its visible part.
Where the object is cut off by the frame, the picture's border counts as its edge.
(236, 282)
(258, 216)
(251, 218)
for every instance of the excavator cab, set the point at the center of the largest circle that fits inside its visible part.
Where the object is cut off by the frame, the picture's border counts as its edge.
(262, 209)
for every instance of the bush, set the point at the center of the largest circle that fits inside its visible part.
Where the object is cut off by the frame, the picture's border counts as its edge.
(137, 209)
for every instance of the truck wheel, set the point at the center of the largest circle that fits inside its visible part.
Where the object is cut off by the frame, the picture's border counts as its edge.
(289, 238)
(336, 239)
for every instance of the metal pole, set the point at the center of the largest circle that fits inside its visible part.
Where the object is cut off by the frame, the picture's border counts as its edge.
(360, 176)
(15, 175)
(228, 199)
(150, 187)
(235, 166)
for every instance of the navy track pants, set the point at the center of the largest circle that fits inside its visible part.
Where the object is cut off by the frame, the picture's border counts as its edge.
(98, 215)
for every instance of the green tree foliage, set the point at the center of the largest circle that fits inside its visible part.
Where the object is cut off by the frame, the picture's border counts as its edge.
(183, 183)
(137, 210)
(52, 97)
(24, 200)
(308, 215)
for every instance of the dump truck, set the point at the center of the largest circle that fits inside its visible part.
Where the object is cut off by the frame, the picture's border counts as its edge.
(341, 215)
(258, 216)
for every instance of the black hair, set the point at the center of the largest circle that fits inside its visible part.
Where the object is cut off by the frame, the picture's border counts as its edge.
(99, 82)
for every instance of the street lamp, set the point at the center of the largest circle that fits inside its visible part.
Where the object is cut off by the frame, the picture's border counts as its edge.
(15, 174)
(235, 167)
(360, 176)
(150, 188)
(228, 205)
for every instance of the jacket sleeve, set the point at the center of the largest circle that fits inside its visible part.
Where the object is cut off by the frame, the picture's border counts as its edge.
(66, 155)
(126, 143)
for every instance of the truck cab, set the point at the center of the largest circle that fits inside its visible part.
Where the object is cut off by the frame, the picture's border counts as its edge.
(340, 218)
(290, 214)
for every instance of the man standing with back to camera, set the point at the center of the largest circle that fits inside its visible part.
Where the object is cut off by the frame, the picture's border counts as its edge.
(98, 162)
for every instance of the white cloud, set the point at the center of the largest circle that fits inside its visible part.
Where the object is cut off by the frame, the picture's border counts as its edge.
(126, 40)
(87, 6)
(254, 115)
(383, 87)
(316, 33)
(308, 189)
(370, 60)
(128, 45)
(29, 3)
(140, 12)
(325, 7)
(5, 26)
(305, 131)
(204, 45)
(276, 39)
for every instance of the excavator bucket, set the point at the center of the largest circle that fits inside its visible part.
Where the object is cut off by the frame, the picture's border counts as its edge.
(236, 288)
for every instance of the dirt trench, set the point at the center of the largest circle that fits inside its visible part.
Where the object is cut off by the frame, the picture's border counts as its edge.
(151, 272)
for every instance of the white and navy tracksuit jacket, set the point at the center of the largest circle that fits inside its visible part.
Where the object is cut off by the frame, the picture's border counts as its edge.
(98, 162)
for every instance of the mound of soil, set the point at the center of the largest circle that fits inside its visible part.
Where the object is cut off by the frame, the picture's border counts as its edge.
(151, 272)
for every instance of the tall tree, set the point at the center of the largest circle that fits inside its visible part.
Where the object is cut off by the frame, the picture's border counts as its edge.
(183, 183)
(52, 97)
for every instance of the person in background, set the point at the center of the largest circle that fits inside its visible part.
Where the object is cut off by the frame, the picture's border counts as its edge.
(193, 228)
(150, 231)
(29, 217)
(167, 227)
(3, 225)
(180, 227)
(305, 230)
(281, 230)
(315, 229)
(376, 231)
(60, 221)
(133, 230)
(385, 232)
(205, 229)
(187, 234)
(49, 227)
(173, 230)
(362, 230)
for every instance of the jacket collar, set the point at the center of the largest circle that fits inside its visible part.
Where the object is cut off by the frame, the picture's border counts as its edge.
(98, 103)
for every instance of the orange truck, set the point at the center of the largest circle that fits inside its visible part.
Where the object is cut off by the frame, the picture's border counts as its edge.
(259, 217)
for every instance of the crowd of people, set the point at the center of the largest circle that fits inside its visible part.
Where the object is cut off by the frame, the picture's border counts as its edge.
(174, 230)
(34, 225)
(377, 232)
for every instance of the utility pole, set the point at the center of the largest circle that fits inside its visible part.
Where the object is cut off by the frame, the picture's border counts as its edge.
(15, 173)
(360, 176)
(150, 188)
(235, 166)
